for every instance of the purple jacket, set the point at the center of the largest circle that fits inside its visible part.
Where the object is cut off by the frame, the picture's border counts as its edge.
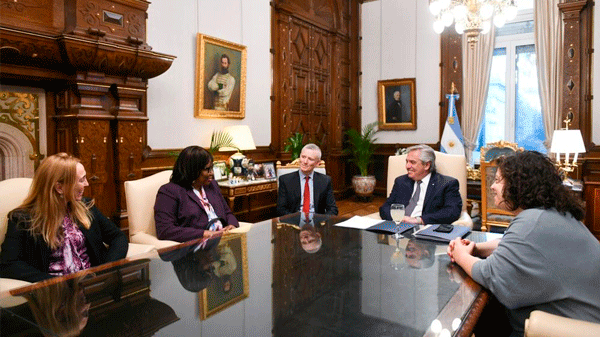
(179, 215)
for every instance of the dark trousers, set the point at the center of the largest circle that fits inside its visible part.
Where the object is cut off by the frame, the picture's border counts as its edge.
(493, 320)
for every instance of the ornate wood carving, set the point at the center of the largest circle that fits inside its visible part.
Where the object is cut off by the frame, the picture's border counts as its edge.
(112, 21)
(577, 64)
(21, 111)
(451, 72)
(91, 58)
(315, 47)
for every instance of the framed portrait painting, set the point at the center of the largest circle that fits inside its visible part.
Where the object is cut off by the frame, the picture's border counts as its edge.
(397, 104)
(230, 281)
(220, 79)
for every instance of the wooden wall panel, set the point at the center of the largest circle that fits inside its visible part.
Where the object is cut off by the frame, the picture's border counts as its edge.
(315, 91)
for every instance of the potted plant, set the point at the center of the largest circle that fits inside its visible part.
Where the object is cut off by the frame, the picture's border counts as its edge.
(294, 144)
(362, 147)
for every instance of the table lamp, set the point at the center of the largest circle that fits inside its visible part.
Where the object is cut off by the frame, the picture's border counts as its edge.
(243, 141)
(567, 142)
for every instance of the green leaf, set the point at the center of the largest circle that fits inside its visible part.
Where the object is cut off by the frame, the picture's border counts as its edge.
(294, 145)
(220, 139)
(362, 146)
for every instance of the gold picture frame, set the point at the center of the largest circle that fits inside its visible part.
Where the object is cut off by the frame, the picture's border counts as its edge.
(232, 266)
(397, 104)
(216, 96)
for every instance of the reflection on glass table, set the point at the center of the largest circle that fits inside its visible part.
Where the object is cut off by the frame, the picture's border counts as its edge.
(351, 286)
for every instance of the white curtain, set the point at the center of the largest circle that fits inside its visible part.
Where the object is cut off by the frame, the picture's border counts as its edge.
(549, 49)
(477, 63)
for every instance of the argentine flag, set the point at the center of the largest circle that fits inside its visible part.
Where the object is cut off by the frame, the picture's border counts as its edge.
(452, 138)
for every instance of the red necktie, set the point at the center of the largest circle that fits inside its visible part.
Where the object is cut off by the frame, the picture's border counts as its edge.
(306, 202)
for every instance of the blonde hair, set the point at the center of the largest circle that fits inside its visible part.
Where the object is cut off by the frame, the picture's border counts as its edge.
(47, 207)
(60, 308)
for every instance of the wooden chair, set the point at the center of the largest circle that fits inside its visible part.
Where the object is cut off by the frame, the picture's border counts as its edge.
(491, 214)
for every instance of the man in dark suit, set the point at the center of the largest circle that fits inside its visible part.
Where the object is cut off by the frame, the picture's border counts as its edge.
(429, 197)
(292, 187)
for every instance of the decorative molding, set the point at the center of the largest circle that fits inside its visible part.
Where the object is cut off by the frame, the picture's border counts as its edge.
(21, 111)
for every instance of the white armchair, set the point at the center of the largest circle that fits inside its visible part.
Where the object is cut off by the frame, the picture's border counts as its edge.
(140, 196)
(14, 191)
(447, 164)
(543, 324)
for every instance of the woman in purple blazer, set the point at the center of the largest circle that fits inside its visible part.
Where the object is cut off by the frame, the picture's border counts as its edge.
(191, 206)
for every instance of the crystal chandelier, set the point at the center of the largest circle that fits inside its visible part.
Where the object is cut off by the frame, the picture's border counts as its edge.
(471, 17)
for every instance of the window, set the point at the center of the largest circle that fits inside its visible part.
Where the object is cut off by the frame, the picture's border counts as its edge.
(513, 109)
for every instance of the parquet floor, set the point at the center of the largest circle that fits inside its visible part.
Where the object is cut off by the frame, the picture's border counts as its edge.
(353, 206)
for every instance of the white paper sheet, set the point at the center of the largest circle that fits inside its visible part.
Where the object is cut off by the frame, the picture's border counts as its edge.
(359, 222)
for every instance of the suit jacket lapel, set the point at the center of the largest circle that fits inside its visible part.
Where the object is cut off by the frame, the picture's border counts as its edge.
(296, 190)
(430, 190)
(195, 198)
(316, 190)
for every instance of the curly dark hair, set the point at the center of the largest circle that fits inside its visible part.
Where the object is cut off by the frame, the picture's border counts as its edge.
(531, 180)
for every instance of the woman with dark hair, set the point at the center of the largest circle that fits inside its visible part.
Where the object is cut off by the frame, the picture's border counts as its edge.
(547, 259)
(191, 206)
(56, 231)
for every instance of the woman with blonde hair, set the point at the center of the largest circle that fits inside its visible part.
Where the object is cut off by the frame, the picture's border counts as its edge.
(55, 231)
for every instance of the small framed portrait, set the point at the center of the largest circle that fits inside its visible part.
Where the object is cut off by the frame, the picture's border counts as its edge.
(269, 170)
(230, 283)
(220, 79)
(397, 104)
(220, 170)
(258, 171)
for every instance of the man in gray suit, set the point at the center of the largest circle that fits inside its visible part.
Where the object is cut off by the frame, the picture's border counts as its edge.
(305, 190)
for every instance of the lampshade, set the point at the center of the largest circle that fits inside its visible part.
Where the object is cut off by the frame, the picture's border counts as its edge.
(567, 141)
(241, 138)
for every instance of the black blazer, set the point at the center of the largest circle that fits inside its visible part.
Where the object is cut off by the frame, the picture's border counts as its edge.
(288, 198)
(442, 203)
(27, 258)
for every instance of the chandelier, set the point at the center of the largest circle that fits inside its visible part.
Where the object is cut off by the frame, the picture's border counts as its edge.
(471, 17)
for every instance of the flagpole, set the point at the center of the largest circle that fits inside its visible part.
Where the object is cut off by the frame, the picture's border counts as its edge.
(452, 138)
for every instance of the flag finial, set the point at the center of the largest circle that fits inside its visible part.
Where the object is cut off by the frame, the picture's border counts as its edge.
(453, 89)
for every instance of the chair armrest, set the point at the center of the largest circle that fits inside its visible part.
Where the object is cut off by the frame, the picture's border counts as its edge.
(543, 324)
(148, 239)
(138, 248)
(464, 220)
(243, 228)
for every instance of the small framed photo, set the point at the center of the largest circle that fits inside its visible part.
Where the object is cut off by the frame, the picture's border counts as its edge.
(258, 171)
(230, 284)
(269, 169)
(220, 170)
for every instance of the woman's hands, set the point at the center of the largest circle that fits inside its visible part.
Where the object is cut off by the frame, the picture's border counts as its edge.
(462, 243)
(461, 251)
(211, 234)
(228, 228)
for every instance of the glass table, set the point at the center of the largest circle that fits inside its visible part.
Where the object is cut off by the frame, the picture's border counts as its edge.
(283, 277)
